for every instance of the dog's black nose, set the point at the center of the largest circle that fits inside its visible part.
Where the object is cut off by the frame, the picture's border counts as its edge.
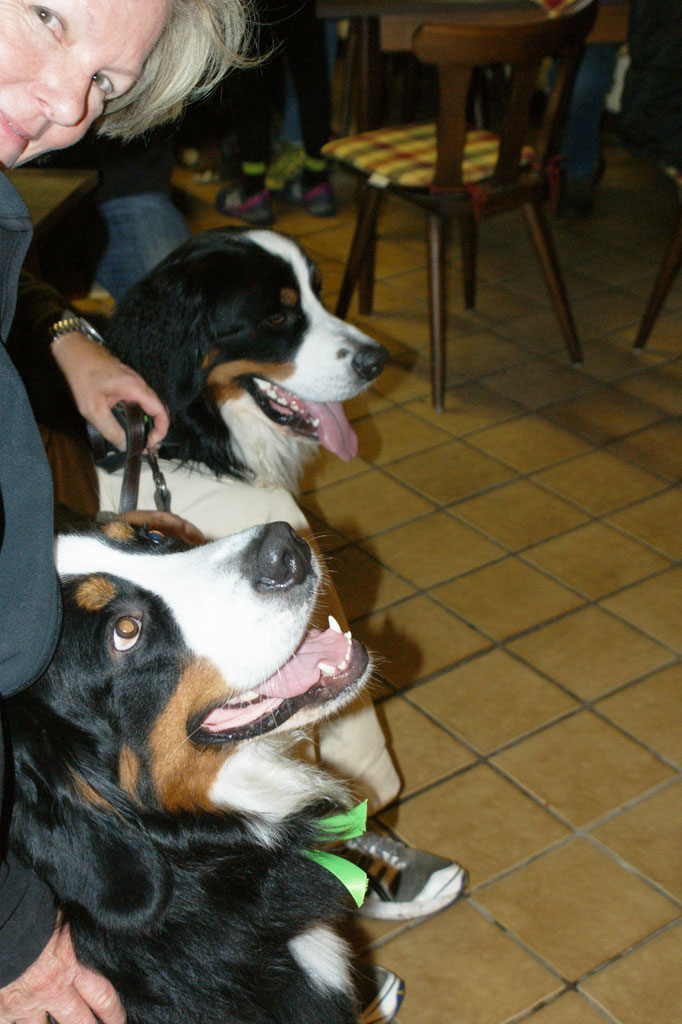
(368, 362)
(280, 559)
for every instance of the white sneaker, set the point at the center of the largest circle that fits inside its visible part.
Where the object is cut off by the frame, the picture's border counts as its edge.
(404, 882)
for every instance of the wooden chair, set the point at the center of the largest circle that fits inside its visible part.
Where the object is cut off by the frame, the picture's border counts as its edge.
(670, 264)
(455, 173)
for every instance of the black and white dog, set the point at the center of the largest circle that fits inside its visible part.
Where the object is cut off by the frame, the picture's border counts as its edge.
(156, 792)
(230, 332)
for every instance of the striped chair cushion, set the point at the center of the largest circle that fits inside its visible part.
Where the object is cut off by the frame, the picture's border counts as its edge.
(407, 156)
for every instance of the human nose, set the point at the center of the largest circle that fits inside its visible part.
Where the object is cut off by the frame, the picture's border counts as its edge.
(63, 94)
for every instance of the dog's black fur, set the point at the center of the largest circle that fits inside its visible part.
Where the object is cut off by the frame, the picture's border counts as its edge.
(227, 316)
(181, 881)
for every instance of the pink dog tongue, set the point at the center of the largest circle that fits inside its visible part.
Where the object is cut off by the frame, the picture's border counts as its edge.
(334, 431)
(295, 677)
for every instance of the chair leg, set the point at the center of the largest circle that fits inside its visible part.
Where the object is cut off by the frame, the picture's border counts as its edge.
(544, 247)
(361, 246)
(436, 265)
(666, 275)
(468, 235)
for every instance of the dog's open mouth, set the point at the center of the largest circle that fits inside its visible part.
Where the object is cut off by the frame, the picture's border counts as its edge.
(321, 668)
(325, 422)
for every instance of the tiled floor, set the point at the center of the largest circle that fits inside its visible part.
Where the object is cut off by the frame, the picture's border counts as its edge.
(515, 561)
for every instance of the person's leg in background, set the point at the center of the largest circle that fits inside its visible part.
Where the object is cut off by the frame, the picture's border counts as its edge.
(581, 165)
(307, 58)
(249, 97)
(141, 229)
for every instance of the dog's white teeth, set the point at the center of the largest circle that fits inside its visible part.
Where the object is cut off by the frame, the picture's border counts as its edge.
(348, 635)
(264, 385)
(333, 624)
(316, 422)
(327, 670)
(343, 666)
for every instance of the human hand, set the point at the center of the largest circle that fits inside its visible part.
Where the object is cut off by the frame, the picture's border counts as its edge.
(167, 523)
(98, 380)
(56, 983)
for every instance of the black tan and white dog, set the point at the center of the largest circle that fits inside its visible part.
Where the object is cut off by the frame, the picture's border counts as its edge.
(230, 332)
(156, 792)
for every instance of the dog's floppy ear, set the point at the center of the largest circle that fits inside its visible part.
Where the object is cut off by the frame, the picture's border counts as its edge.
(94, 855)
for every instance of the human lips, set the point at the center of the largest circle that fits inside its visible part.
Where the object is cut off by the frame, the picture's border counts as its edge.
(14, 139)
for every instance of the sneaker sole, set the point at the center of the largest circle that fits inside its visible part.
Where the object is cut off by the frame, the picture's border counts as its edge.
(449, 890)
(386, 1004)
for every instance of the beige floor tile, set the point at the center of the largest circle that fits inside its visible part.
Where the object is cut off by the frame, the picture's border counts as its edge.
(539, 383)
(362, 584)
(452, 471)
(603, 415)
(365, 504)
(478, 818)
(476, 353)
(569, 1008)
(590, 652)
(596, 560)
(599, 482)
(393, 434)
(649, 836)
(492, 700)
(422, 751)
(656, 521)
(657, 448)
(583, 767)
(655, 606)
(400, 384)
(659, 386)
(606, 311)
(652, 711)
(644, 987)
(505, 598)
(519, 514)
(528, 444)
(447, 964)
(326, 469)
(468, 407)
(416, 638)
(432, 549)
(576, 907)
(612, 357)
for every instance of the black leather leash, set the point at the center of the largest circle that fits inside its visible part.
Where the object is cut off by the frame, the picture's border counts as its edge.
(136, 424)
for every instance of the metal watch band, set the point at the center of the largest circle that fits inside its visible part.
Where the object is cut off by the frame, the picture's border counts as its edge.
(73, 323)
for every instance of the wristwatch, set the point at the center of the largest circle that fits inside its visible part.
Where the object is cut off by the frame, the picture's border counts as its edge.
(72, 322)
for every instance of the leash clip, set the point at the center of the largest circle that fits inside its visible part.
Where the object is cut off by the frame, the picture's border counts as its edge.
(162, 496)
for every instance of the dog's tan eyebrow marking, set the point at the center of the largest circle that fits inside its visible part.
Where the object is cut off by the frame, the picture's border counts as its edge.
(128, 770)
(95, 593)
(117, 529)
(183, 773)
(289, 297)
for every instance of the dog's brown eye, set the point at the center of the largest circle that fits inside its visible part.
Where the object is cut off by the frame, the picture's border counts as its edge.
(126, 632)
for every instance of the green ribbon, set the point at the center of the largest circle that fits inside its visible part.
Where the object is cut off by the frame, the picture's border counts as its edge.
(339, 827)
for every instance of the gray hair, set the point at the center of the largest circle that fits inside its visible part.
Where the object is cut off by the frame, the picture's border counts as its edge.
(200, 42)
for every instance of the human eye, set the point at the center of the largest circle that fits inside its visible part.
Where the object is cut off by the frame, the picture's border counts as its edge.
(103, 83)
(48, 18)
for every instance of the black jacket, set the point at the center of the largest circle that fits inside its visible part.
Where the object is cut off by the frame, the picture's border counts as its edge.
(651, 104)
(30, 606)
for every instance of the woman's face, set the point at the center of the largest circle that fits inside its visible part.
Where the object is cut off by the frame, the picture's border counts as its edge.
(60, 63)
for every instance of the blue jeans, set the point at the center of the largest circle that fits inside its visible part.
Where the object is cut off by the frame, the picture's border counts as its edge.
(141, 230)
(580, 141)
